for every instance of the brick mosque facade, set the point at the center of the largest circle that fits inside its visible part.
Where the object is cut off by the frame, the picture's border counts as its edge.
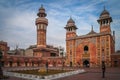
(87, 50)
(90, 49)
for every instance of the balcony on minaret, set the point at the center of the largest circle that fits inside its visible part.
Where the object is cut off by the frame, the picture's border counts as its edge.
(70, 28)
(40, 46)
(104, 21)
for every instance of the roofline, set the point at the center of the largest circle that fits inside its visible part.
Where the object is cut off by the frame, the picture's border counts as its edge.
(88, 36)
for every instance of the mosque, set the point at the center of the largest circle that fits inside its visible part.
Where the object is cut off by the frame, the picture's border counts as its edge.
(90, 49)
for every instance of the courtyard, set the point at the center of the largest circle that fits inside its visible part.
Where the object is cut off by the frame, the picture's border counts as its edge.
(96, 74)
(91, 74)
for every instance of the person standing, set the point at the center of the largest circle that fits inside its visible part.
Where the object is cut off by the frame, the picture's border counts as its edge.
(103, 69)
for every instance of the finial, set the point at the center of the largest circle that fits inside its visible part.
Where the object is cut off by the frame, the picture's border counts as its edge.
(70, 17)
(16, 46)
(104, 7)
(71, 20)
(91, 27)
(41, 5)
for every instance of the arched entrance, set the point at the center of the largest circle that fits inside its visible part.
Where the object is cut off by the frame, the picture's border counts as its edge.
(86, 63)
(115, 63)
(70, 63)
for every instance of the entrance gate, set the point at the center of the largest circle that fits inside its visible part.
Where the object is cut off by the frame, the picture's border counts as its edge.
(86, 63)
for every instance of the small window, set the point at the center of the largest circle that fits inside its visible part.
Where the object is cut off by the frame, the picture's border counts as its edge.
(104, 22)
(38, 26)
(86, 48)
(52, 54)
(41, 26)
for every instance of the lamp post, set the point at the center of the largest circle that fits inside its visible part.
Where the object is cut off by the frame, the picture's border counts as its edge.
(46, 66)
(62, 61)
(1, 73)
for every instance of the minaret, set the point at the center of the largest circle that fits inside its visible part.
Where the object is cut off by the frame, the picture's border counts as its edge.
(70, 28)
(104, 21)
(70, 48)
(41, 23)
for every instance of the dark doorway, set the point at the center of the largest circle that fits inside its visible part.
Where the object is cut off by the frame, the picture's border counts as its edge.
(26, 64)
(2, 63)
(32, 63)
(70, 63)
(10, 62)
(86, 63)
(18, 63)
(115, 63)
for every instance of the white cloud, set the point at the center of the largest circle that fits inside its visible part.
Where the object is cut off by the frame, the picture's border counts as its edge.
(18, 19)
(19, 28)
(22, 20)
(55, 32)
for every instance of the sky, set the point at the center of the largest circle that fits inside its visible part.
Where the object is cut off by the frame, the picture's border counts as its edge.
(17, 19)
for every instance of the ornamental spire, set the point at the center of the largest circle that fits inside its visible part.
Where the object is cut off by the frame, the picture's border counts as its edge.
(104, 7)
(92, 28)
(41, 12)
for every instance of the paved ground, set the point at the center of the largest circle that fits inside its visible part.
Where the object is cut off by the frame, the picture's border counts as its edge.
(95, 74)
(13, 78)
(91, 74)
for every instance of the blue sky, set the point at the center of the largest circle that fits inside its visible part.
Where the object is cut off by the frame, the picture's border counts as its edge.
(17, 19)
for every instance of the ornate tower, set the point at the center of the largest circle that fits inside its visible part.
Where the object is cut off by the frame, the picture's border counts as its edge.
(41, 23)
(106, 41)
(70, 28)
(104, 21)
(70, 41)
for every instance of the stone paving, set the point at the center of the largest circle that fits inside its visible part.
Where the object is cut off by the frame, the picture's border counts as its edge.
(13, 78)
(96, 74)
(91, 74)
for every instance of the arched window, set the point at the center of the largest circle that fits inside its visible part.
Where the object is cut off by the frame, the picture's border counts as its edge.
(104, 22)
(85, 48)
